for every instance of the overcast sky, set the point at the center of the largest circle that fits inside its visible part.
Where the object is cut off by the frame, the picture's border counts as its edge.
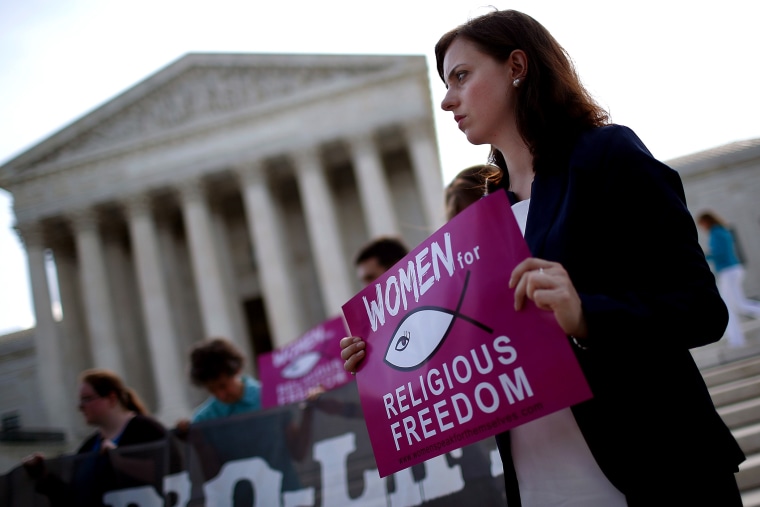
(683, 74)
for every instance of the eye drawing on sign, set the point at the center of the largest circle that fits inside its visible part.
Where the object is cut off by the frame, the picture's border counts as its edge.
(403, 341)
(301, 365)
(304, 363)
(422, 332)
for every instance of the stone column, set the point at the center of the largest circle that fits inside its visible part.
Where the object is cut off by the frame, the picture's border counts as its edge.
(423, 150)
(269, 246)
(57, 402)
(373, 187)
(96, 297)
(206, 269)
(324, 233)
(166, 361)
(76, 354)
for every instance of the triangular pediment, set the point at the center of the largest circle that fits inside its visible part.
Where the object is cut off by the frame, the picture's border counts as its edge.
(201, 88)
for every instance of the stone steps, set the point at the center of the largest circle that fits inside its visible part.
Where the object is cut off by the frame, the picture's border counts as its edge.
(733, 378)
(748, 477)
(737, 370)
(751, 498)
(736, 392)
(748, 438)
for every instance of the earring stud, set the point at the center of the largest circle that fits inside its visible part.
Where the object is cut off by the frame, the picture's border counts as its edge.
(516, 83)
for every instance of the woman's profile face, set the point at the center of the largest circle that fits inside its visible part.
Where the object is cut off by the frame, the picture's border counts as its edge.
(91, 404)
(480, 92)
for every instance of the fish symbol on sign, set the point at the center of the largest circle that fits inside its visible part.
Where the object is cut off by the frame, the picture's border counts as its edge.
(422, 332)
(304, 363)
(301, 365)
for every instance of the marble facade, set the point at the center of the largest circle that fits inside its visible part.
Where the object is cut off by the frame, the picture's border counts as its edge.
(226, 195)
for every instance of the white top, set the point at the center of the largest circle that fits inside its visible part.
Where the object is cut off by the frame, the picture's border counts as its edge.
(520, 210)
(553, 462)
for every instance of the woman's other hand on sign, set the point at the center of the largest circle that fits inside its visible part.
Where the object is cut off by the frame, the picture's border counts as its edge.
(548, 285)
(34, 464)
(107, 445)
(352, 352)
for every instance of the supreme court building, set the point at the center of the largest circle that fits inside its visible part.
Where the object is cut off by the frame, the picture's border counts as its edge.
(226, 195)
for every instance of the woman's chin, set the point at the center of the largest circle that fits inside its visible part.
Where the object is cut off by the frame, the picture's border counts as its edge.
(474, 140)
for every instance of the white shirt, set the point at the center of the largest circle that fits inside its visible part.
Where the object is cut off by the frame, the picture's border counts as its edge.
(553, 463)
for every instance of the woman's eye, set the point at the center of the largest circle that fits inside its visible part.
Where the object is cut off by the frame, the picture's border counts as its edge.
(460, 75)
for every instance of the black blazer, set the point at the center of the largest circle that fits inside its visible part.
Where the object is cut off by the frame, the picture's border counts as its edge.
(617, 220)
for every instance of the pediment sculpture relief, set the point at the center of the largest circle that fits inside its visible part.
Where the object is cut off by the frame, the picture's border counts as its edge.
(197, 95)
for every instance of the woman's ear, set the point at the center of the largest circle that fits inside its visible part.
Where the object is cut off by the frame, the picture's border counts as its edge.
(517, 64)
(113, 398)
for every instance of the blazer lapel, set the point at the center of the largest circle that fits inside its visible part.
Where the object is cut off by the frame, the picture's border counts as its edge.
(546, 198)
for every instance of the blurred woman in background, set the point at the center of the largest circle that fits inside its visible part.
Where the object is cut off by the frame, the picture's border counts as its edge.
(120, 419)
(730, 274)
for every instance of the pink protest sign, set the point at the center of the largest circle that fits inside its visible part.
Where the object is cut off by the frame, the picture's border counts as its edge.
(312, 360)
(449, 361)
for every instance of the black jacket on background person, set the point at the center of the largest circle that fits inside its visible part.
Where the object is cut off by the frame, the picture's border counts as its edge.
(139, 430)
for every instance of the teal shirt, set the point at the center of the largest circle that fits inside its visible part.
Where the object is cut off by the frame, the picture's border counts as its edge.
(722, 248)
(212, 408)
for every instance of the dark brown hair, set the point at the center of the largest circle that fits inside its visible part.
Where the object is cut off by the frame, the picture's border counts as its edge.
(469, 186)
(710, 218)
(553, 107)
(387, 250)
(104, 382)
(212, 358)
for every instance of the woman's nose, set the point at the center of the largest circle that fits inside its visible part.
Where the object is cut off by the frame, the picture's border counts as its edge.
(447, 104)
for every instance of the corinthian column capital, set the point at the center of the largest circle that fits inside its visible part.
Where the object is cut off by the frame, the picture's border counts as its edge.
(251, 172)
(31, 234)
(137, 205)
(83, 219)
(192, 189)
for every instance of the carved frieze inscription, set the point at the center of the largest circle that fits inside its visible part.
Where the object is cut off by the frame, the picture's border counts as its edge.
(200, 93)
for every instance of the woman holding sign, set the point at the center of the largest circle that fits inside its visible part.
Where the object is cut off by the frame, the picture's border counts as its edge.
(586, 192)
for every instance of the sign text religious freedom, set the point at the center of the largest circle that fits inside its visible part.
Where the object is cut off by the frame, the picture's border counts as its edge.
(449, 361)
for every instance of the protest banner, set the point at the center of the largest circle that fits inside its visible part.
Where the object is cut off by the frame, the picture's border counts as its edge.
(288, 373)
(248, 459)
(448, 360)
